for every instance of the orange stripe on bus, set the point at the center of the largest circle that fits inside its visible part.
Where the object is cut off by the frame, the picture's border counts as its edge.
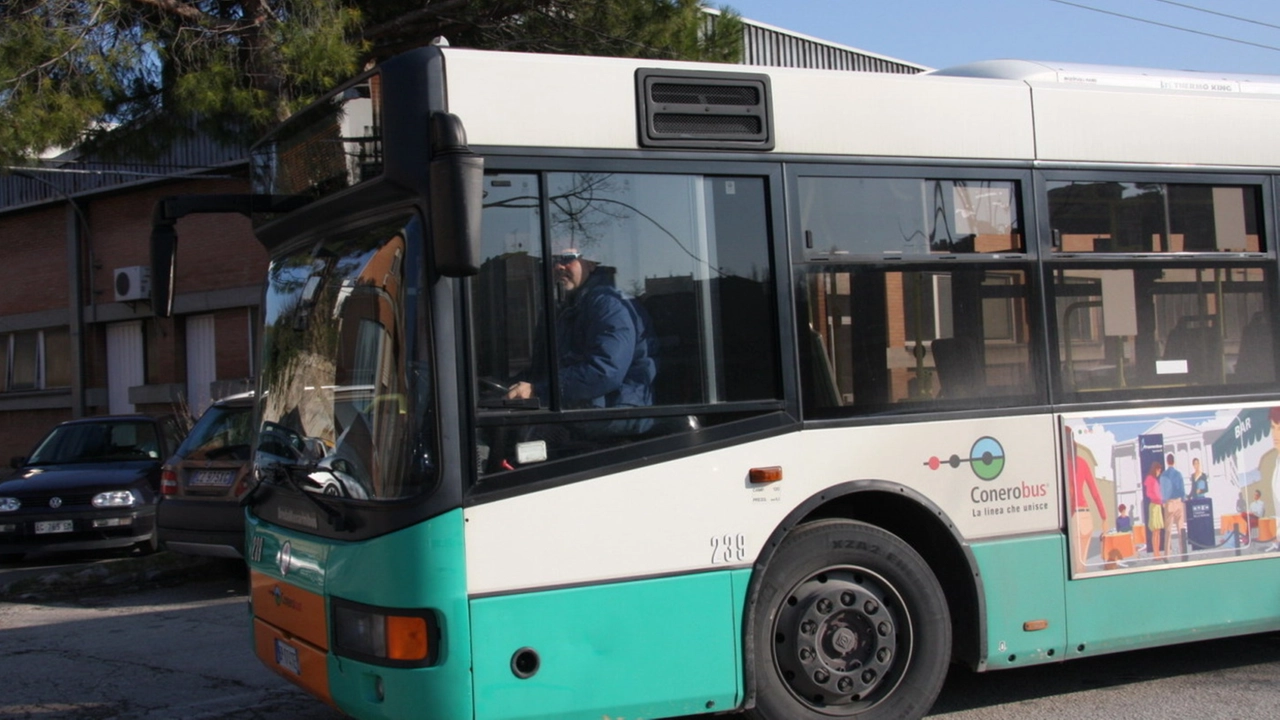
(296, 611)
(312, 666)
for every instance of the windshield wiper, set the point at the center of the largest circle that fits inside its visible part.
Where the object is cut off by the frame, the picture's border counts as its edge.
(334, 516)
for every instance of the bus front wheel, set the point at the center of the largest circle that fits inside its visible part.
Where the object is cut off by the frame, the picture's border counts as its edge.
(850, 623)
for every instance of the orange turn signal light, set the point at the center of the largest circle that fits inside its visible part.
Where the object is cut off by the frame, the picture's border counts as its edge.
(406, 638)
(398, 637)
(769, 474)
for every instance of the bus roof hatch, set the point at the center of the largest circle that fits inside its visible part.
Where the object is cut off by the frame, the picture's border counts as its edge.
(704, 110)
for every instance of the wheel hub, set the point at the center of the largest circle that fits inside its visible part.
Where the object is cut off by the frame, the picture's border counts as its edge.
(836, 641)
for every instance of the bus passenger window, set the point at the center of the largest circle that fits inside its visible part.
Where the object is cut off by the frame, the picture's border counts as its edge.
(653, 314)
(1143, 326)
(1185, 306)
(1091, 217)
(945, 325)
(889, 340)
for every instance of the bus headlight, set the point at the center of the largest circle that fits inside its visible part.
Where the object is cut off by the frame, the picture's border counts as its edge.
(384, 636)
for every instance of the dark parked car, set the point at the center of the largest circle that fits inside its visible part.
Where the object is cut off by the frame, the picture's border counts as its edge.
(203, 482)
(90, 484)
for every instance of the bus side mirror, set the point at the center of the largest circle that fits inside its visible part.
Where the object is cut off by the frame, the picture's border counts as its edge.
(164, 240)
(457, 192)
(164, 237)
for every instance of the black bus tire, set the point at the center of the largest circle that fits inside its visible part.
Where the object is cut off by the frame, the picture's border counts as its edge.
(850, 623)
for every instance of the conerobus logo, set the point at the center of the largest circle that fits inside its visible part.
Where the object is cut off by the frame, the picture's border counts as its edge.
(986, 459)
(285, 600)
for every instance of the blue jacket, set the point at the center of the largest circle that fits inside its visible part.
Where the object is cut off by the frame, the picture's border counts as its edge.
(606, 348)
(1172, 486)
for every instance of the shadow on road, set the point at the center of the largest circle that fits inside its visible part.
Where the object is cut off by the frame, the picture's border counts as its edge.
(48, 576)
(967, 690)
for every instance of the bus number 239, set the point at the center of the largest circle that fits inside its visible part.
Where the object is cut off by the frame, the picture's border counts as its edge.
(728, 549)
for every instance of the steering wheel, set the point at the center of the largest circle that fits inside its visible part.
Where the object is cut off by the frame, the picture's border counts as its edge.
(492, 385)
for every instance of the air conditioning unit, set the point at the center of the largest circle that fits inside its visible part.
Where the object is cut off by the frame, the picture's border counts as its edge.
(132, 283)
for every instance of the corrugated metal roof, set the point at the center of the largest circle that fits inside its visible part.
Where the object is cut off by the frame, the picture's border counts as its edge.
(776, 47)
(69, 175)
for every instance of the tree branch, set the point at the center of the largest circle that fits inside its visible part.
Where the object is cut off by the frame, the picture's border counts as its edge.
(175, 8)
(196, 16)
(416, 17)
(88, 28)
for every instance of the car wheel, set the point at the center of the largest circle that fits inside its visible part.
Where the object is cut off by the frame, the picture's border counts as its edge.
(850, 623)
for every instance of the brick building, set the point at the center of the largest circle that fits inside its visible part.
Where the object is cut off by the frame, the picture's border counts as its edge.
(77, 334)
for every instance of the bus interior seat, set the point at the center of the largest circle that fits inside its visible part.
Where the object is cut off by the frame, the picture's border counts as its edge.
(1195, 339)
(960, 367)
(1256, 360)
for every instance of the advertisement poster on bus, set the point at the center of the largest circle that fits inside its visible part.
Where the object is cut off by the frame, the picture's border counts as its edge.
(1153, 490)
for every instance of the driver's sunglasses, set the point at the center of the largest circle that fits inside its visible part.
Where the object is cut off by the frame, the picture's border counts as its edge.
(565, 258)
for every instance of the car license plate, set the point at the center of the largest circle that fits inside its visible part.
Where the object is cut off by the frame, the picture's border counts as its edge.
(287, 657)
(211, 478)
(45, 527)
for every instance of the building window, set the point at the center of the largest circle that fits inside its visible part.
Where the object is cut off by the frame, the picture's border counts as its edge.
(24, 360)
(35, 360)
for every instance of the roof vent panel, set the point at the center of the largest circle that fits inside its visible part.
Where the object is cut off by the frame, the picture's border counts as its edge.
(708, 110)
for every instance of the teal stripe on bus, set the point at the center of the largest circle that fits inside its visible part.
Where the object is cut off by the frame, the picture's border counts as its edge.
(640, 649)
(1025, 580)
(1179, 604)
(423, 566)
(1022, 579)
(307, 554)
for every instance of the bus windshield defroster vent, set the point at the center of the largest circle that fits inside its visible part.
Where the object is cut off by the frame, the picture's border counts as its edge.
(711, 110)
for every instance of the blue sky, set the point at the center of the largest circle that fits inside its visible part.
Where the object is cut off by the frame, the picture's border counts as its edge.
(941, 33)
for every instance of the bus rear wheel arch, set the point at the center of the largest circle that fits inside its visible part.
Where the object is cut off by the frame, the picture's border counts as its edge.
(849, 623)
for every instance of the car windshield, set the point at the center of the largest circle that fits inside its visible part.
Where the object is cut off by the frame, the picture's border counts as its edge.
(98, 442)
(222, 433)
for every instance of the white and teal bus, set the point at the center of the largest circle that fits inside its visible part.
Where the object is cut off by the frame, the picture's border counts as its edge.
(971, 367)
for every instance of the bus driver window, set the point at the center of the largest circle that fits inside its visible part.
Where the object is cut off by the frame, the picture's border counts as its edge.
(612, 308)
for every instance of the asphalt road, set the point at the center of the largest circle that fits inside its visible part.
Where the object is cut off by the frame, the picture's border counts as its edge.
(171, 647)
(171, 642)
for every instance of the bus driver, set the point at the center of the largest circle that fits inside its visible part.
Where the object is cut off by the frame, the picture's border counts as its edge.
(605, 344)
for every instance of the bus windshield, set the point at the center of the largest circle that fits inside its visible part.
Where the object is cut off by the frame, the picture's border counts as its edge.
(337, 402)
